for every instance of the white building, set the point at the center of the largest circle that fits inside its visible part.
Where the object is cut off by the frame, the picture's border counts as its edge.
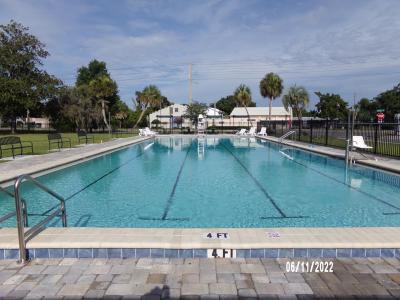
(242, 116)
(172, 117)
(39, 122)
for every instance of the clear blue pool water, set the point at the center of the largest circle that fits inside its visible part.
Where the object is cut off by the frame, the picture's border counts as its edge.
(233, 182)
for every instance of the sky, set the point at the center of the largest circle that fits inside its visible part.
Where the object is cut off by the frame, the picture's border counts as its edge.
(346, 47)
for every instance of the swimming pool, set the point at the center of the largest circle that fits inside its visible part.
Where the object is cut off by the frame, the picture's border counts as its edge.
(215, 182)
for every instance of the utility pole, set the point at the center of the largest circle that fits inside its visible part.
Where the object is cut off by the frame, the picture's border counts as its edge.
(190, 84)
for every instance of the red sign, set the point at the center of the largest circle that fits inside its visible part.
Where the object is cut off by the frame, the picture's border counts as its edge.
(380, 116)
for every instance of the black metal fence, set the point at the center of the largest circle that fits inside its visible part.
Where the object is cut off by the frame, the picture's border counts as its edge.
(384, 138)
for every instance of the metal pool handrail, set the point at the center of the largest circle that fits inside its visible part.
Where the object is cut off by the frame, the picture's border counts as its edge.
(286, 135)
(23, 236)
(12, 214)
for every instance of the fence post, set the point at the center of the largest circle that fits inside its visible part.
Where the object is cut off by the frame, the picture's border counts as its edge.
(326, 131)
(299, 137)
(376, 138)
(311, 130)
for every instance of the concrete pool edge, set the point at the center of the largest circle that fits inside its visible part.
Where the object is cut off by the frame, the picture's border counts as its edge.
(49, 165)
(175, 242)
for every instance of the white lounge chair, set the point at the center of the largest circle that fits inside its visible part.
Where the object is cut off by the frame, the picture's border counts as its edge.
(241, 132)
(263, 131)
(359, 143)
(252, 131)
(146, 132)
(141, 132)
(149, 132)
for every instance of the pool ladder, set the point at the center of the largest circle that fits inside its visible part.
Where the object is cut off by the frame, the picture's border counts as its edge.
(287, 134)
(22, 216)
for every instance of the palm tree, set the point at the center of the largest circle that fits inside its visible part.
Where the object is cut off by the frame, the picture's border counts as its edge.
(271, 86)
(242, 96)
(149, 97)
(298, 99)
(102, 88)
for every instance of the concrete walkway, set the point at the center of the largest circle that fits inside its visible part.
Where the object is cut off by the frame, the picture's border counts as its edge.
(41, 163)
(372, 278)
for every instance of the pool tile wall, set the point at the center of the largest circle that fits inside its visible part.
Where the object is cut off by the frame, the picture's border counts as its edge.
(200, 253)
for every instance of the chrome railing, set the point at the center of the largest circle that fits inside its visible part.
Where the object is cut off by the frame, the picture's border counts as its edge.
(23, 236)
(12, 214)
(287, 134)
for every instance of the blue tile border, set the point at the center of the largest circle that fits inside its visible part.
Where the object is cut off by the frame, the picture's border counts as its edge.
(271, 253)
(388, 252)
(257, 253)
(358, 252)
(100, 253)
(343, 252)
(200, 253)
(185, 253)
(85, 253)
(114, 253)
(11, 254)
(157, 253)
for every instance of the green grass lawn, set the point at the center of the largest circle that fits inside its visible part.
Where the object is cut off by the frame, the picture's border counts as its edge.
(41, 144)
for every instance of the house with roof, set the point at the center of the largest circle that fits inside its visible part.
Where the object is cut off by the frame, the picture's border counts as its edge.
(173, 117)
(244, 116)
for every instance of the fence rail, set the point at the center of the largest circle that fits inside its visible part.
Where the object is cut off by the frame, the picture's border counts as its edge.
(384, 138)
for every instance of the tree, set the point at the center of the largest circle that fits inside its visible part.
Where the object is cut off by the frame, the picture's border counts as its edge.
(164, 102)
(23, 85)
(193, 111)
(102, 88)
(149, 97)
(331, 106)
(271, 86)
(79, 107)
(122, 114)
(298, 99)
(365, 110)
(94, 70)
(390, 102)
(54, 110)
(228, 103)
(242, 97)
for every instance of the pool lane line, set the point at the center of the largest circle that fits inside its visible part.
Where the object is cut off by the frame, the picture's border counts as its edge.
(348, 185)
(96, 180)
(264, 191)
(172, 194)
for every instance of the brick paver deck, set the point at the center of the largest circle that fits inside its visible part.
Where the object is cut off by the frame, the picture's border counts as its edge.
(145, 278)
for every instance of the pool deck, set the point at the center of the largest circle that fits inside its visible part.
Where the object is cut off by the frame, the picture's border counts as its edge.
(159, 238)
(38, 164)
(206, 279)
(384, 163)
